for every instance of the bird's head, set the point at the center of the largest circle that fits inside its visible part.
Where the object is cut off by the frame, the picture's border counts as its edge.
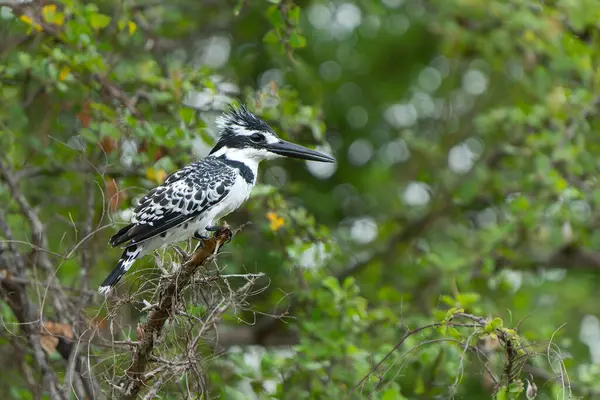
(244, 136)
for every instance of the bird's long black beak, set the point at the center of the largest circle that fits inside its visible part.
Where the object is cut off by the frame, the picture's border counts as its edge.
(288, 149)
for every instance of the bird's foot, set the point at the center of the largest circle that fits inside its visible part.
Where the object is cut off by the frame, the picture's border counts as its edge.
(219, 228)
(229, 234)
(201, 237)
(215, 229)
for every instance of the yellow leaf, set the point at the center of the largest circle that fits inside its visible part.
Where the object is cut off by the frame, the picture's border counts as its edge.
(51, 16)
(132, 26)
(27, 19)
(161, 175)
(49, 9)
(64, 73)
(150, 174)
(156, 175)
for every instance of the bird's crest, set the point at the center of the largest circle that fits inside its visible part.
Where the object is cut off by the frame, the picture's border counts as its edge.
(238, 120)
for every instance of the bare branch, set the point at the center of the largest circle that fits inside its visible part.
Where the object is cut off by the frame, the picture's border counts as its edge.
(26, 313)
(39, 239)
(169, 295)
(14, 290)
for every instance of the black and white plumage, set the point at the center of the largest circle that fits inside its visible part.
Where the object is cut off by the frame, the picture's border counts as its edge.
(197, 196)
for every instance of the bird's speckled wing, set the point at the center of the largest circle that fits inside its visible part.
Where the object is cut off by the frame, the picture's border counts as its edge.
(184, 195)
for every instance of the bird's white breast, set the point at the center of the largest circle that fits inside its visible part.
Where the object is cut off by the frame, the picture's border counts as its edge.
(238, 194)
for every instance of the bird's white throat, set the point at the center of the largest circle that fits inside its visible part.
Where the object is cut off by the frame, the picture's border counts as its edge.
(249, 156)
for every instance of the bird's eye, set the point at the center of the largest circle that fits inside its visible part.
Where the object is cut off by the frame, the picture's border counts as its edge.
(257, 137)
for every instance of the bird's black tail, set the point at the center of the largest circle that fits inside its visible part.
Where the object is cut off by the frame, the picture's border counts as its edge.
(128, 257)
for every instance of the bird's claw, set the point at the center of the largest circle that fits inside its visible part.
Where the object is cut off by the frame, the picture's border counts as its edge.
(200, 237)
(228, 233)
(216, 229)
(210, 228)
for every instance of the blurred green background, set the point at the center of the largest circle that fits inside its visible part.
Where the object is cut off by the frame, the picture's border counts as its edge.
(465, 133)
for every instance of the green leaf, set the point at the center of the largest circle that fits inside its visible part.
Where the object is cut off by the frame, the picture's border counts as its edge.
(501, 394)
(162, 96)
(187, 114)
(58, 54)
(109, 129)
(516, 387)
(275, 17)
(448, 300)
(271, 37)
(297, 41)
(99, 21)
(451, 312)
(467, 299)
(392, 394)
(233, 394)
(104, 110)
(455, 333)
(61, 86)
(493, 325)
(332, 284)
(24, 59)
(294, 15)
(6, 13)
(263, 191)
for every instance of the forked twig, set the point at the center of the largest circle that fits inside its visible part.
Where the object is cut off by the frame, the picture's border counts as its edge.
(169, 295)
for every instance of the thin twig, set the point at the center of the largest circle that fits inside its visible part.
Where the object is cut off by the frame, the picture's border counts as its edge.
(39, 239)
(400, 343)
(169, 295)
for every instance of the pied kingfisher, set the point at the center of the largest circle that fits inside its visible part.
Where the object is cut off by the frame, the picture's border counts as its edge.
(191, 201)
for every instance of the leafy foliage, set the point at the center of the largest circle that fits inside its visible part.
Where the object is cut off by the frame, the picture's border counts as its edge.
(451, 251)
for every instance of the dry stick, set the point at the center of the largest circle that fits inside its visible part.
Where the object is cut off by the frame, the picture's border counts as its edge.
(169, 292)
(26, 313)
(33, 282)
(38, 238)
(59, 299)
(56, 170)
(75, 361)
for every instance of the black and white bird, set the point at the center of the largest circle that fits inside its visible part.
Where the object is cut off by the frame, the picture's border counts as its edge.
(191, 201)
